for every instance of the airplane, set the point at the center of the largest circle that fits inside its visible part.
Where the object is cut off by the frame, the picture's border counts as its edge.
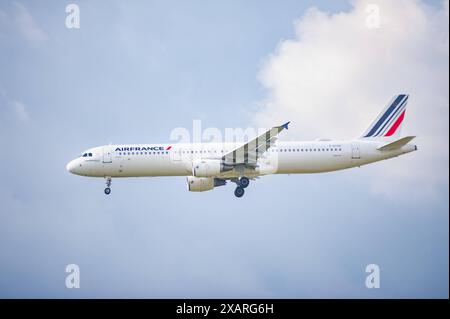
(209, 165)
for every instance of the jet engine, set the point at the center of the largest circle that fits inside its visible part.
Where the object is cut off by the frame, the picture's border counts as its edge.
(207, 168)
(202, 184)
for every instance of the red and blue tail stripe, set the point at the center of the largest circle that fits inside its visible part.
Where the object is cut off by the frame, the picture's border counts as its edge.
(389, 121)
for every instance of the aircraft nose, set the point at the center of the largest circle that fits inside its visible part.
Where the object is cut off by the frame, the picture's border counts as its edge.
(70, 167)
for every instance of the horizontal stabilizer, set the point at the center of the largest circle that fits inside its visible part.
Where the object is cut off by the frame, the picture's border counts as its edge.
(396, 144)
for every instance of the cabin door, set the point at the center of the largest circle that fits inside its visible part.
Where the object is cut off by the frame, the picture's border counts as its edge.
(356, 153)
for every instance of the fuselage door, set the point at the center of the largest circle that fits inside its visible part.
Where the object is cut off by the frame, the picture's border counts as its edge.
(176, 154)
(107, 156)
(356, 154)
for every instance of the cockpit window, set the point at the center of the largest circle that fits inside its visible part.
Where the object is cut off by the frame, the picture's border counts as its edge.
(84, 155)
(90, 154)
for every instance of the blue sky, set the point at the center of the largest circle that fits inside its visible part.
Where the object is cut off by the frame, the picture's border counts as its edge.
(135, 71)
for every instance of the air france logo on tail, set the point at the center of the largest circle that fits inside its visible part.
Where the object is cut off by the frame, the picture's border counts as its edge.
(389, 121)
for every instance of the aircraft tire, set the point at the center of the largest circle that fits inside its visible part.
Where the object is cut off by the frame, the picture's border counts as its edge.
(244, 182)
(239, 192)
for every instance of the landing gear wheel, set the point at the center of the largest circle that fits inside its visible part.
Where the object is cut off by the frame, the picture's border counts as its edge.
(239, 191)
(244, 182)
(108, 185)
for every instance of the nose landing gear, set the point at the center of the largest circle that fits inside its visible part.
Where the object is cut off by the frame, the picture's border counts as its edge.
(108, 185)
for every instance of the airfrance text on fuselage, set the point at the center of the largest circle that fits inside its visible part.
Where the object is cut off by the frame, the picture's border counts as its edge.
(144, 148)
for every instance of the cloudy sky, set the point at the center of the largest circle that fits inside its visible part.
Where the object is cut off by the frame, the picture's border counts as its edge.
(134, 71)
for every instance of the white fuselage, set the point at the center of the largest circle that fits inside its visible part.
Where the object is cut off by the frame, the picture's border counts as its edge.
(177, 159)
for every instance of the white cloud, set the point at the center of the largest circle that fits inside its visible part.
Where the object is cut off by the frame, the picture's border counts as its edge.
(12, 110)
(337, 74)
(20, 112)
(20, 21)
(26, 25)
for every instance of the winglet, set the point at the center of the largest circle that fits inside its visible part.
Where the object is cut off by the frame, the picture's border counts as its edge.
(285, 125)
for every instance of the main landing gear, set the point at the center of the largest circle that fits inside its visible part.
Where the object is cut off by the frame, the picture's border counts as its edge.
(108, 185)
(239, 191)
(242, 183)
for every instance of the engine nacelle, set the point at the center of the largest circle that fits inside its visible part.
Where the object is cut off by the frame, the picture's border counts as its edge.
(202, 184)
(206, 168)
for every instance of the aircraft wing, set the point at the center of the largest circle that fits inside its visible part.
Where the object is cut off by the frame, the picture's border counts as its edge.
(249, 153)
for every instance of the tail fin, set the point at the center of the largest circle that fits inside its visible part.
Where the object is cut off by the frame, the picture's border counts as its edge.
(390, 120)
